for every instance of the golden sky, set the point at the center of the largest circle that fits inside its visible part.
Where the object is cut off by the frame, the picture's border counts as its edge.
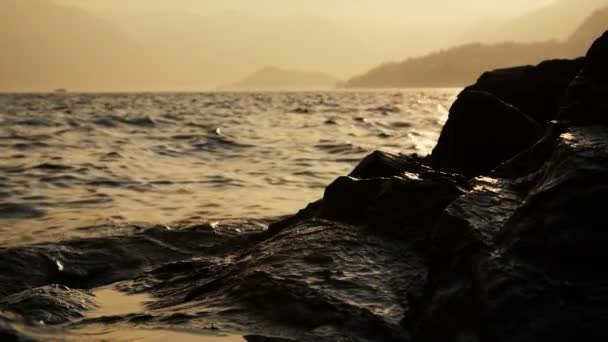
(204, 44)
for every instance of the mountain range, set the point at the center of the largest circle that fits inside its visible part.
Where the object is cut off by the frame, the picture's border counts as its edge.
(158, 45)
(461, 65)
(553, 21)
(273, 78)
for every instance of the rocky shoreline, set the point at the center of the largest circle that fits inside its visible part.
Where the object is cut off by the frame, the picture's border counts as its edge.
(496, 236)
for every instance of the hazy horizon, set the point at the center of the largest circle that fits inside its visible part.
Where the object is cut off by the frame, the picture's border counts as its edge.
(153, 45)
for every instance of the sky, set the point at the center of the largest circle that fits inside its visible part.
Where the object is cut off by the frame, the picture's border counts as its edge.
(205, 44)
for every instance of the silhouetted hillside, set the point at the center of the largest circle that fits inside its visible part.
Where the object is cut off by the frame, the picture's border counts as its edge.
(276, 78)
(556, 20)
(588, 31)
(462, 65)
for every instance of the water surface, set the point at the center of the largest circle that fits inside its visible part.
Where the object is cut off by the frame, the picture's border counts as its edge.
(77, 165)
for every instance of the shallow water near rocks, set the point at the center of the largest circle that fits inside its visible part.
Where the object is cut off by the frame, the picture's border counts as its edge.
(153, 201)
(115, 303)
(155, 335)
(81, 164)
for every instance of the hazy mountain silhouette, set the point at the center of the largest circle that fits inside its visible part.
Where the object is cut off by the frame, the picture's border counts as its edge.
(273, 78)
(218, 49)
(116, 45)
(556, 20)
(52, 46)
(47, 45)
(588, 31)
(461, 65)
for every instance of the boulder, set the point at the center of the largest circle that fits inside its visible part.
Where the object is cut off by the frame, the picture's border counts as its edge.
(481, 132)
(585, 100)
(8, 332)
(520, 258)
(382, 164)
(53, 304)
(516, 266)
(535, 90)
(396, 204)
(385, 192)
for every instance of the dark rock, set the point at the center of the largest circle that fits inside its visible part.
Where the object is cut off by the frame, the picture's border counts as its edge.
(450, 308)
(260, 338)
(585, 101)
(535, 90)
(482, 132)
(382, 164)
(50, 304)
(519, 264)
(315, 301)
(564, 211)
(11, 334)
(88, 263)
(346, 199)
(521, 257)
(385, 192)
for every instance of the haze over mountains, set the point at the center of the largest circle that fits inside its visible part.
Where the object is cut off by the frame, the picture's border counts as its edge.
(461, 65)
(556, 20)
(154, 45)
(273, 78)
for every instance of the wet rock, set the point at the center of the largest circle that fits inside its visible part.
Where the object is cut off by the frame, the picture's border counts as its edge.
(535, 90)
(382, 164)
(260, 338)
(585, 101)
(513, 266)
(388, 204)
(393, 204)
(338, 298)
(564, 211)
(52, 304)
(520, 257)
(448, 309)
(385, 192)
(482, 132)
(88, 263)
(9, 333)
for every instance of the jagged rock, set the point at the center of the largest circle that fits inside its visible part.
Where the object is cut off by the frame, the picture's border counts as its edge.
(382, 164)
(260, 338)
(521, 257)
(52, 304)
(562, 215)
(482, 132)
(10, 333)
(88, 263)
(388, 204)
(384, 192)
(535, 90)
(585, 100)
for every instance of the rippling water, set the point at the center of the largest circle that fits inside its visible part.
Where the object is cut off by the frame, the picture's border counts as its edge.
(127, 216)
(76, 164)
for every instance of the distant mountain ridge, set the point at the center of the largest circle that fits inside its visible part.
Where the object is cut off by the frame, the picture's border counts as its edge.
(556, 20)
(461, 65)
(274, 78)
